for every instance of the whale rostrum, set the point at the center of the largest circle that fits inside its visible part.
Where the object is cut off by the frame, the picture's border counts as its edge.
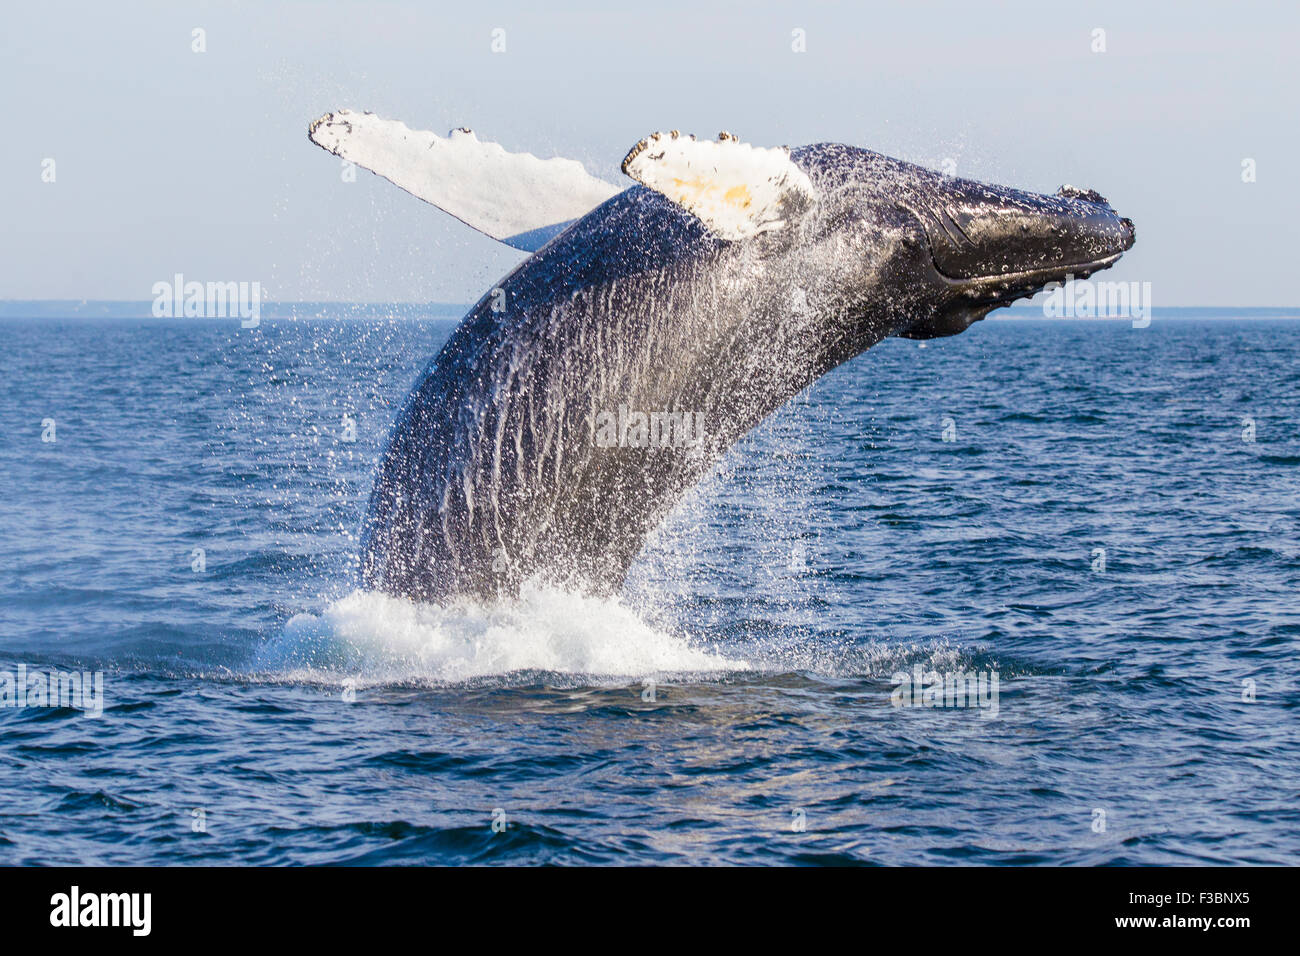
(652, 327)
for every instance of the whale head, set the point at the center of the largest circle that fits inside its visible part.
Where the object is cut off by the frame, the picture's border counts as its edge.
(964, 247)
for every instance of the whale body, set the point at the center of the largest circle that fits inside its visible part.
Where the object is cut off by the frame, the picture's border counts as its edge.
(598, 382)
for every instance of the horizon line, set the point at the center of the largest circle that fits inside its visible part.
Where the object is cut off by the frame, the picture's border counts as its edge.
(467, 304)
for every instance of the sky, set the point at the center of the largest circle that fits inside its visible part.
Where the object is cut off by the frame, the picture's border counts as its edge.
(167, 160)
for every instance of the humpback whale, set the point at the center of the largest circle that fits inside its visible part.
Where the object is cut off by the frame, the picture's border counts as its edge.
(652, 327)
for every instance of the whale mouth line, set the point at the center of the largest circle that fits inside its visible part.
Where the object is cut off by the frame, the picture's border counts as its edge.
(1040, 276)
(1006, 287)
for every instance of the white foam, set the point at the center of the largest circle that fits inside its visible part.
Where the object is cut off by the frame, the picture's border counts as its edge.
(377, 639)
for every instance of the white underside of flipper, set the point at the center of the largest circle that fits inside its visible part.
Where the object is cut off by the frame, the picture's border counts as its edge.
(515, 197)
(735, 189)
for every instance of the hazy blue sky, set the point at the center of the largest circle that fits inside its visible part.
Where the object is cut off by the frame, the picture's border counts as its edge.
(172, 161)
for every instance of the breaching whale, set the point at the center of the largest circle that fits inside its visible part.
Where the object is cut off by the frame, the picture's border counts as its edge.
(653, 326)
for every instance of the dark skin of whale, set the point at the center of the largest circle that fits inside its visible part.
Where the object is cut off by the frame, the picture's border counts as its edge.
(494, 475)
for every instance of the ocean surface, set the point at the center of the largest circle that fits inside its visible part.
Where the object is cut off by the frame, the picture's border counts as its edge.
(1105, 518)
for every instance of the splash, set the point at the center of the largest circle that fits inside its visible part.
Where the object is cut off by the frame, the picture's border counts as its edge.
(376, 638)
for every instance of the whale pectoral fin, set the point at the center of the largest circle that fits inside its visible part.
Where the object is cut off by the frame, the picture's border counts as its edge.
(735, 189)
(515, 197)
